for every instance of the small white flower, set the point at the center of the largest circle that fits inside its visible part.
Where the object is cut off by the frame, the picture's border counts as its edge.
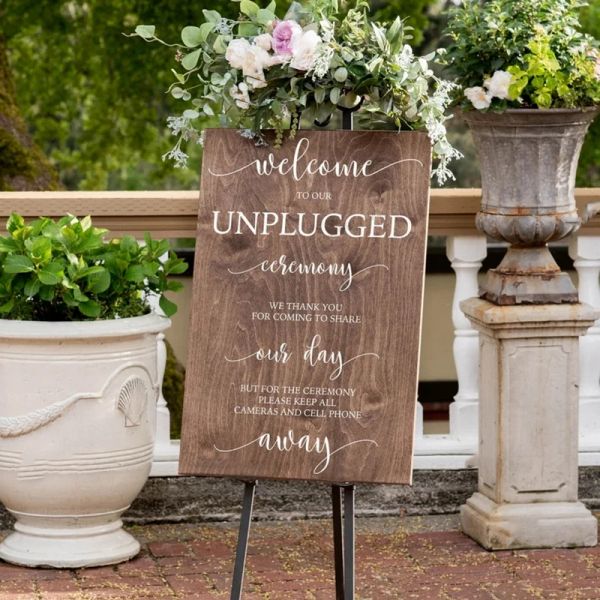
(304, 50)
(177, 156)
(322, 62)
(404, 59)
(479, 98)
(498, 84)
(240, 94)
(264, 41)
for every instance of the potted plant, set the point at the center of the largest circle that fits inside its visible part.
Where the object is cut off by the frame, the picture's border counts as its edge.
(78, 366)
(529, 89)
(261, 72)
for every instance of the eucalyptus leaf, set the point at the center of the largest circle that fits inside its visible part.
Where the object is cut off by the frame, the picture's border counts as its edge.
(189, 61)
(145, 31)
(192, 36)
(249, 8)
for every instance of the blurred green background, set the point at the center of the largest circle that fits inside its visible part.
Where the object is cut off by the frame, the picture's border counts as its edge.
(82, 107)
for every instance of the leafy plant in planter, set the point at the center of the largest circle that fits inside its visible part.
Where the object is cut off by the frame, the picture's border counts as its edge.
(521, 54)
(259, 72)
(534, 80)
(65, 271)
(80, 381)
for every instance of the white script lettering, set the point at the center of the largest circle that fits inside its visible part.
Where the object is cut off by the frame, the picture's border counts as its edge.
(288, 442)
(299, 168)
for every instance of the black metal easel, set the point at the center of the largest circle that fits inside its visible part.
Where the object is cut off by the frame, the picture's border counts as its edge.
(342, 497)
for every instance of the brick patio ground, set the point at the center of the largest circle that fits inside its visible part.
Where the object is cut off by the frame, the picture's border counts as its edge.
(403, 558)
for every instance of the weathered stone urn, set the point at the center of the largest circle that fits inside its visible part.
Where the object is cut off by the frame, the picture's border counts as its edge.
(528, 161)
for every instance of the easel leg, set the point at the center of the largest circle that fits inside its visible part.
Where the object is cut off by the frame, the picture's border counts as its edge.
(349, 542)
(343, 541)
(338, 541)
(242, 545)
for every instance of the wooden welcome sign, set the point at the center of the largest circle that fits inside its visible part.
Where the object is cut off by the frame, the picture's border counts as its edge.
(304, 341)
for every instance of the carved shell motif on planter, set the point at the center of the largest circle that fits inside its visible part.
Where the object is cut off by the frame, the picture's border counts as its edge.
(133, 400)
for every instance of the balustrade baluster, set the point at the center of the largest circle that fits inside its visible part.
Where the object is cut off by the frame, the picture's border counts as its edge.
(465, 254)
(585, 251)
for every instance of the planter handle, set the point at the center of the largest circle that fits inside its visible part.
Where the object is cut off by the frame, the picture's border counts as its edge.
(15, 426)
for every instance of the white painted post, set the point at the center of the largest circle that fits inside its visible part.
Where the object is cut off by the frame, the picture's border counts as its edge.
(585, 251)
(419, 422)
(465, 254)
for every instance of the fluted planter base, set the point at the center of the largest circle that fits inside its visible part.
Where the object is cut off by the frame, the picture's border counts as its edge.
(528, 276)
(69, 546)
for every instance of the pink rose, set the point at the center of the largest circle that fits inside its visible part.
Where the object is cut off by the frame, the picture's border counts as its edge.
(282, 36)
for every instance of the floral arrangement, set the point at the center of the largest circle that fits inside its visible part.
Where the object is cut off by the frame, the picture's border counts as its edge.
(522, 54)
(261, 72)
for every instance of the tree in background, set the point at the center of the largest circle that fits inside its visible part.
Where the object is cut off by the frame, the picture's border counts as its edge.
(95, 100)
(22, 164)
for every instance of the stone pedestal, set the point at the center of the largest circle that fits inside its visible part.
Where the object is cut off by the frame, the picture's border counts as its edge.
(528, 430)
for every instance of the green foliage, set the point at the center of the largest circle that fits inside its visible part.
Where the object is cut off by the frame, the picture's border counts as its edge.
(540, 44)
(588, 174)
(173, 391)
(66, 271)
(413, 12)
(93, 99)
(338, 58)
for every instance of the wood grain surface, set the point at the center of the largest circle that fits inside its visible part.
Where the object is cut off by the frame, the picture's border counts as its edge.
(259, 403)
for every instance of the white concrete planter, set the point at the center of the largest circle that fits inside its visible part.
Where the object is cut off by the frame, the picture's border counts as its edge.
(77, 425)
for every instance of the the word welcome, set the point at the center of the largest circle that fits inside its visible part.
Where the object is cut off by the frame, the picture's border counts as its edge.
(299, 168)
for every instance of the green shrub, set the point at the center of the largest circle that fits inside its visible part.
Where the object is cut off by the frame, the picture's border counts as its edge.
(536, 48)
(66, 271)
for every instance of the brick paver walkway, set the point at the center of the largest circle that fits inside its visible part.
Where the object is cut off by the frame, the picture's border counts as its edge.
(397, 558)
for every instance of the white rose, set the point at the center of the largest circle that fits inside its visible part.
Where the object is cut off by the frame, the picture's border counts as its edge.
(478, 97)
(251, 59)
(304, 50)
(264, 41)
(236, 52)
(240, 94)
(498, 84)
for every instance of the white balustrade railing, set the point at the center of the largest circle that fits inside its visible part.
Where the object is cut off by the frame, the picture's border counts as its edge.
(457, 449)
(585, 252)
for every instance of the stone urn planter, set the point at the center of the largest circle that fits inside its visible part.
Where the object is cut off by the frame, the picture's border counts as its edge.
(528, 160)
(77, 423)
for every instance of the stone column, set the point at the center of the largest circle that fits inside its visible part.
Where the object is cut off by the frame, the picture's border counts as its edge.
(528, 413)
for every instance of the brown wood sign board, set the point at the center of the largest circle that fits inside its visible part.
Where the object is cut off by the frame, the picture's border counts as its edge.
(308, 290)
